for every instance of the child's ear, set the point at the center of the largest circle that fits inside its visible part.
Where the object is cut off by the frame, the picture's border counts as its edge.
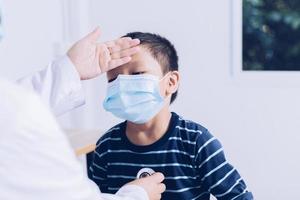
(173, 82)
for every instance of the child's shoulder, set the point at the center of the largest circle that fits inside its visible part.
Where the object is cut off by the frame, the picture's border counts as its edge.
(197, 134)
(187, 124)
(112, 134)
(191, 128)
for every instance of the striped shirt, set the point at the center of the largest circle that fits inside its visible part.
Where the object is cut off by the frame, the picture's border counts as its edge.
(191, 159)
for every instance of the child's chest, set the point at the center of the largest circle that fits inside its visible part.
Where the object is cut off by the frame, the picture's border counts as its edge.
(181, 176)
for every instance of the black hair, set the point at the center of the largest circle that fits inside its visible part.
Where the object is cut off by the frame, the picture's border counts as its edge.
(161, 49)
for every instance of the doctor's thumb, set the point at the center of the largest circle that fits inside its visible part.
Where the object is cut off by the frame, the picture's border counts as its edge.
(157, 177)
(94, 35)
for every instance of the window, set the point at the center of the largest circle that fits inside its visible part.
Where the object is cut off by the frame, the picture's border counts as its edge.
(271, 35)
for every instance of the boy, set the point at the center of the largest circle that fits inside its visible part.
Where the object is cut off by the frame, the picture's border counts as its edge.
(153, 139)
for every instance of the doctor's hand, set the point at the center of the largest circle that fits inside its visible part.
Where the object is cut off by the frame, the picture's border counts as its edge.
(92, 58)
(152, 184)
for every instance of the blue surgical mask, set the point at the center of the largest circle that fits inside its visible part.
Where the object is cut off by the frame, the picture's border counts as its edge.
(135, 98)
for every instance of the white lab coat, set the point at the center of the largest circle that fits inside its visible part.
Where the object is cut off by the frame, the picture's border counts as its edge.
(36, 159)
(58, 85)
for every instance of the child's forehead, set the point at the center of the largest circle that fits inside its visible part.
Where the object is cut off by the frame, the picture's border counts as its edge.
(143, 61)
(143, 56)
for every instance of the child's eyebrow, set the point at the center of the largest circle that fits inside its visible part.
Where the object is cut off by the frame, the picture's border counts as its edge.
(135, 63)
(139, 67)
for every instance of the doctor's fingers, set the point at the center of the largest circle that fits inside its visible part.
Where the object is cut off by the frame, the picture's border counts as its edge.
(121, 44)
(157, 197)
(117, 62)
(157, 177)
(161, 187)
(125, 53)
(159, 190)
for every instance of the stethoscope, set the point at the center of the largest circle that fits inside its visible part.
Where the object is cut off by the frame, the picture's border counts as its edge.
(145, 172)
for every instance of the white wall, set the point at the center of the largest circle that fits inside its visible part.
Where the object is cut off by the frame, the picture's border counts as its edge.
(258, 123)
(31, 28)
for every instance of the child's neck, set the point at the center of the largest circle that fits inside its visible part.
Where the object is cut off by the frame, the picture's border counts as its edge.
(150, 132)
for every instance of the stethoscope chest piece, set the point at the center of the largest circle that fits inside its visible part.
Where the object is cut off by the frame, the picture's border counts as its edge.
(145, 172)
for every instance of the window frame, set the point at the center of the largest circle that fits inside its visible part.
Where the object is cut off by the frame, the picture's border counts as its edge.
(254, 78)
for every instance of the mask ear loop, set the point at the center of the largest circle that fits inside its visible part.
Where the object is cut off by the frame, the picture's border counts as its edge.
(163, 79)
(164, 76)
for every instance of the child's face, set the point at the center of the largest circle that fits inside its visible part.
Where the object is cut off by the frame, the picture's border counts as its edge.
(142, 63)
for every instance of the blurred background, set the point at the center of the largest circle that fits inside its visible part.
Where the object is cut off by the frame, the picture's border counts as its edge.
(239, 63)
(270, 35)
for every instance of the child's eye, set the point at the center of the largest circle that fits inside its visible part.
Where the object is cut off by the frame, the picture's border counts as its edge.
(111, 80)
(138, 73)
(133, 73)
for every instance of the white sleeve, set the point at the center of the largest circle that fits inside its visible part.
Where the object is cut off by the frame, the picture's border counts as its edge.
(127, 192)
(58, 85)
(37, 162)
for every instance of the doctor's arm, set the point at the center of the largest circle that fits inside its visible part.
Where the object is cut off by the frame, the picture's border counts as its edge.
(59, 85)
(44, 166)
